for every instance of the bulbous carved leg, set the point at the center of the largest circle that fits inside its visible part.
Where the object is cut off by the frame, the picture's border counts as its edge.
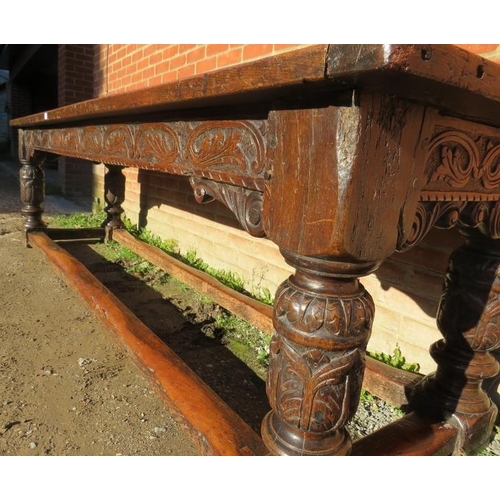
(322, 319)
(114, 189)
(469, 319)
(32, 184)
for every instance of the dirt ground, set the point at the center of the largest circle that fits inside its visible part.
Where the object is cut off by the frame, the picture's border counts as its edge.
(65, 387)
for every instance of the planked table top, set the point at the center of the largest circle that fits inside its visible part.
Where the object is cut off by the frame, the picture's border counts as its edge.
(443, 76)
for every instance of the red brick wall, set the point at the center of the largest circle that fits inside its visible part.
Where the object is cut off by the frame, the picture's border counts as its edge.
(75, 83)
(75, 73)
(406, 288)
(126, 67)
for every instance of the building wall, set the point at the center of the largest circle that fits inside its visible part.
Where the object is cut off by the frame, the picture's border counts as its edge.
(166, 203)
(405, 289)
(75, 83)
(19, 96)
(121, 68)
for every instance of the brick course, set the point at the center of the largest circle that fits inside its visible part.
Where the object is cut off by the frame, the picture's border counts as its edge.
(406, 288)
(75, 83)
(154, 64)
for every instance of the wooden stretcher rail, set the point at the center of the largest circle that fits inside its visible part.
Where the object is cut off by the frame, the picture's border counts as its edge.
(212, 425)
(341, 155)
(166, 369)
(388, 383)
(409, 436)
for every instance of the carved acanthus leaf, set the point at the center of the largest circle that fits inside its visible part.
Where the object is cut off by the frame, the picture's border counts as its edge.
(336, 320)
(463, 161)
(233, 144)
(313, 390)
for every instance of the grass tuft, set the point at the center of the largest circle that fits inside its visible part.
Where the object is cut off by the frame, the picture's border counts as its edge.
(397, 360)
(75, 221)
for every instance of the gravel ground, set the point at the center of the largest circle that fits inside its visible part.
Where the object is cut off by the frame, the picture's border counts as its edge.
(65, 389)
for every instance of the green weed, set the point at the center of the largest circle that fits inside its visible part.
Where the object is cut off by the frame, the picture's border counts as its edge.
(397, 360)
(238, 330)
(75, 221)
(366, 396)
(228, 278)
(168, 246)
(264, 295)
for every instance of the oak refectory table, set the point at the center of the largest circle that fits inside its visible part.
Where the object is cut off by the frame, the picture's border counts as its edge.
(341, 155)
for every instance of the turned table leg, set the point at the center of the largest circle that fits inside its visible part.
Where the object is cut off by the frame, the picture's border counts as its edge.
(114, 194)
(32, 184)
(322, 320)
(469, 319)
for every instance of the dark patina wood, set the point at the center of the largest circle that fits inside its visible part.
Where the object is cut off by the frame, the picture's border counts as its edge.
(411, 435)
(342, 155)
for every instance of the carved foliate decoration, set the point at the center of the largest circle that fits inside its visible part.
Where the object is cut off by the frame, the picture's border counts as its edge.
(244, 203)
(314, 390)
(336, 321)
(233, 146)
(32, 184)
(32, 190)
(462, 165)
(227, 151)
(317, 357)
(445, 215)
(470, 304)
(469, 319)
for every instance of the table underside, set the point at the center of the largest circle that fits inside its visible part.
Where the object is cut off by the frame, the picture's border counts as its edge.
(339, 178)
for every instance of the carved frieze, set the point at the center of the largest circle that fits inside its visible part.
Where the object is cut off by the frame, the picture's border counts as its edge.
(229, 151)
(461, 165)
(461, 183)
(447, 214)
